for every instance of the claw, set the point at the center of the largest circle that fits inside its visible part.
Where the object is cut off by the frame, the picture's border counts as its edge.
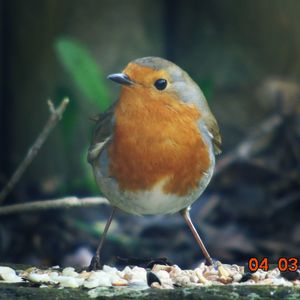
(95, 264)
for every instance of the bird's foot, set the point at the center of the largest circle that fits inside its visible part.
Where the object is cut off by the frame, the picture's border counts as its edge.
(95, 264)
(211, 262)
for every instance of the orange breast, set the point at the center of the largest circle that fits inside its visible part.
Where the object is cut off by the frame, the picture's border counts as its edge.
(156, 139)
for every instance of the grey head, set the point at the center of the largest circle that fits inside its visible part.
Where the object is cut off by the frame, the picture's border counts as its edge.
(181, 82)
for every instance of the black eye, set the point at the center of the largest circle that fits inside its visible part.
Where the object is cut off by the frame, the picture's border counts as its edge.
(160, 84)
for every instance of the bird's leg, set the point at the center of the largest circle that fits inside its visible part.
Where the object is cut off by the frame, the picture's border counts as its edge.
(96, 263)
(186, 215)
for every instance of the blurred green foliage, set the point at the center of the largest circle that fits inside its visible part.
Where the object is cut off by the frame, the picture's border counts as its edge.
(91, 82)
(71, 115)
(87, 181)
(84, 70)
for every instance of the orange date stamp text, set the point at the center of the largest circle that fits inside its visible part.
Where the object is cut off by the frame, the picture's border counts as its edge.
(283, 264)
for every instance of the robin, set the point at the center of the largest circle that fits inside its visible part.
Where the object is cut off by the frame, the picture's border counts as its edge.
(153, 152)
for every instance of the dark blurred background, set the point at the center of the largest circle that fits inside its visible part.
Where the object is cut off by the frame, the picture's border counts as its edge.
(245, 55)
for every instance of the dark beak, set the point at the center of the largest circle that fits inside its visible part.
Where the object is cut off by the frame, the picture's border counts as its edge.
(120, 78)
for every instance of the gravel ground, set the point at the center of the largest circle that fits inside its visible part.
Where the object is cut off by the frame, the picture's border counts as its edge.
(160, 277)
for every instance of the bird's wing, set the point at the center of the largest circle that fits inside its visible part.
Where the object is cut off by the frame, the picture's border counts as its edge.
(214, 130)
(102, 133)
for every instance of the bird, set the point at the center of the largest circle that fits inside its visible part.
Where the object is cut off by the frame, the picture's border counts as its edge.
(153, 151)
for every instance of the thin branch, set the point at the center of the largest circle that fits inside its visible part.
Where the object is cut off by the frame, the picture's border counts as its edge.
(63, 203)
(248, 146)
(55, 116)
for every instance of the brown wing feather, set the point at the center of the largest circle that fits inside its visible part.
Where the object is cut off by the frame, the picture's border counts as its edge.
(102, 132)
(213, 128)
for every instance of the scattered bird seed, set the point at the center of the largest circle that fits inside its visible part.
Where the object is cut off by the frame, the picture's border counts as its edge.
(151, 278)
(9, 275)
(160, 276)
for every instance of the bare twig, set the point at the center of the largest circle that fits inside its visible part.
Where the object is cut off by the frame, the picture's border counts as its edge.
(63, 203)
(282, 203)
(55, 116)
(248, 146)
